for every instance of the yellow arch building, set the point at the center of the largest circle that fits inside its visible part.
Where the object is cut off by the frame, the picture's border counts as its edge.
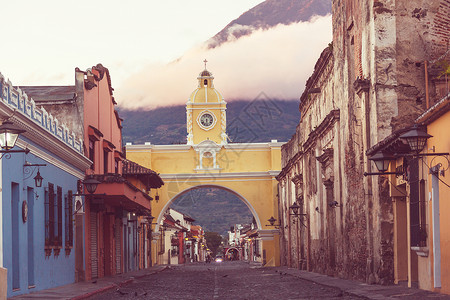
(247, 170)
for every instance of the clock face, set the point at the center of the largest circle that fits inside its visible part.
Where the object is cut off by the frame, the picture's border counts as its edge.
(206, 120)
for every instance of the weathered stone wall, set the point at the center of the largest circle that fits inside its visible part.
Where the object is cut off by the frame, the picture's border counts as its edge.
(367, 84)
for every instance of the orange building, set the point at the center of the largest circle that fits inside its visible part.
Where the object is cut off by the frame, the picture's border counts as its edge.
(435, 268)
(110, 221)
(114, 231)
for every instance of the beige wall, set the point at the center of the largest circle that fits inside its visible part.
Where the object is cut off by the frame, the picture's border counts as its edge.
(3, 281)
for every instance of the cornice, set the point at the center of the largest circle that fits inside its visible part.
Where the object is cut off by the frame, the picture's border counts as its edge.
(286, 169)
(323, 128)
(325, 156)
(15, 105)
(217, 176)
(235, 146)
(49, 142)
(157, 147)
(207, 104)
(76, 167)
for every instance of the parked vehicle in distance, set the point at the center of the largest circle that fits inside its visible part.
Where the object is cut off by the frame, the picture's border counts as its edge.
(219, 259)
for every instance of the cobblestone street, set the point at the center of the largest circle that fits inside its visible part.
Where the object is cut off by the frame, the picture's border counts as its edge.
(227, 280)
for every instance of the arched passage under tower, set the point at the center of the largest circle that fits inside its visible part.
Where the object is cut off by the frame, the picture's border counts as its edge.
(160, 217)
(248, 170)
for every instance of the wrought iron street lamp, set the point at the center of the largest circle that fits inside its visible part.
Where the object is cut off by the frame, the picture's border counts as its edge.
(28, 170)
(38, 179)
(91, 184)
(295, 207)
(416, 138)
(382, 161)
(9, 134)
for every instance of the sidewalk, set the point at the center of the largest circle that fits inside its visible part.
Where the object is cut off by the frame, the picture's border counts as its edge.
(356, 288)
(82, 290)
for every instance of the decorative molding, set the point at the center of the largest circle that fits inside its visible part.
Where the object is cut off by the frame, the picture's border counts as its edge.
(274, 173)
(266, 175)
(267, 234)
(207, 149)
(202, 104)
(190, 127)
(326, 156)
(232, 146)
(16, 103)
(158, 147)
(297, 179)
(361, 86)
(289, 165)
(322, 129)
(80, 163)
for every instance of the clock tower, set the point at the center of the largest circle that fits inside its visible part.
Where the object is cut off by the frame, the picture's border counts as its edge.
(206, 112)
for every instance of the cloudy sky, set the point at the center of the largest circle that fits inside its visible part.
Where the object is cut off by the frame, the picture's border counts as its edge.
(154, 49)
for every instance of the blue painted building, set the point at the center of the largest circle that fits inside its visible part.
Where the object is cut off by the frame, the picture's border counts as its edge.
(37, 223)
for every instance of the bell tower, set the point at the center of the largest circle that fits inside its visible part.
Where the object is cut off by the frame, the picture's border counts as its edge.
(206, 117)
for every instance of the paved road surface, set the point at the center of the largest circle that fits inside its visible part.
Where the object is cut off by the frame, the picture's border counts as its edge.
(227, 280)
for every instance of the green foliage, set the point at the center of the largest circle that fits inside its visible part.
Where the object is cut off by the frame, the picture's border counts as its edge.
(445, 65)
(214, 241)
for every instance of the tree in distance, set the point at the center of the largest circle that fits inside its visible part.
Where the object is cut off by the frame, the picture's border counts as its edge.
(214, 241)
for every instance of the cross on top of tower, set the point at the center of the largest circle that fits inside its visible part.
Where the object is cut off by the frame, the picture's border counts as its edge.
(205, 61)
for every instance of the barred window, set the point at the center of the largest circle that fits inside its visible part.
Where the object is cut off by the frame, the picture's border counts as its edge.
(105, 161)
(58, 215)
(92, 152)
(68, 226)
(49, 216)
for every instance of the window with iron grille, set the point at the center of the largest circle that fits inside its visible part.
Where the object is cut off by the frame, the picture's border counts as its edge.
(92, 152)
(68, 226)
(46, 218)
(105, 161)
(116, 166)
(422, 215)
(256, 248)
(58, 215)
(162, 244)
(50, 216)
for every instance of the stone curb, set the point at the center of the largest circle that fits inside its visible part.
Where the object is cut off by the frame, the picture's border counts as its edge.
(343, 290)
(360, 289)
(120, 284)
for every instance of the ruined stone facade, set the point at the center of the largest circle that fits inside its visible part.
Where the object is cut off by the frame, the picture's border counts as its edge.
(368, 83)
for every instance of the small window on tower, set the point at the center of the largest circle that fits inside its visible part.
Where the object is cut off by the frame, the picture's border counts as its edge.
(205, 82)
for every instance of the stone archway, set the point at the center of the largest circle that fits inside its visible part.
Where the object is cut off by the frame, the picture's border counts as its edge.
(168, 203)
(246, 170)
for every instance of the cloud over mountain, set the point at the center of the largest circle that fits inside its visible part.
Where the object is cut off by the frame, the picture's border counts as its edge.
(276, 61)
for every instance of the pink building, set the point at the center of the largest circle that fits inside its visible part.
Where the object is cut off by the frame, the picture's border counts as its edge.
(111, 231)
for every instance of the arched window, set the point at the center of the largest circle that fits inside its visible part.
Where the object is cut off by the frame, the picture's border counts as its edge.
(205, 82)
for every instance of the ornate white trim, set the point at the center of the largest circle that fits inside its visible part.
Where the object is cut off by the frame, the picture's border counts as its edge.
(267, 234)
(202, 104)
(207, 149)
(144, 148)
(82, 163)
(190, 127)
(265, 175)
(15, 100)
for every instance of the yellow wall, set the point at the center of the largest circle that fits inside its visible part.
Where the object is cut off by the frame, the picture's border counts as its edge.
(441, 143)
(247, 170)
